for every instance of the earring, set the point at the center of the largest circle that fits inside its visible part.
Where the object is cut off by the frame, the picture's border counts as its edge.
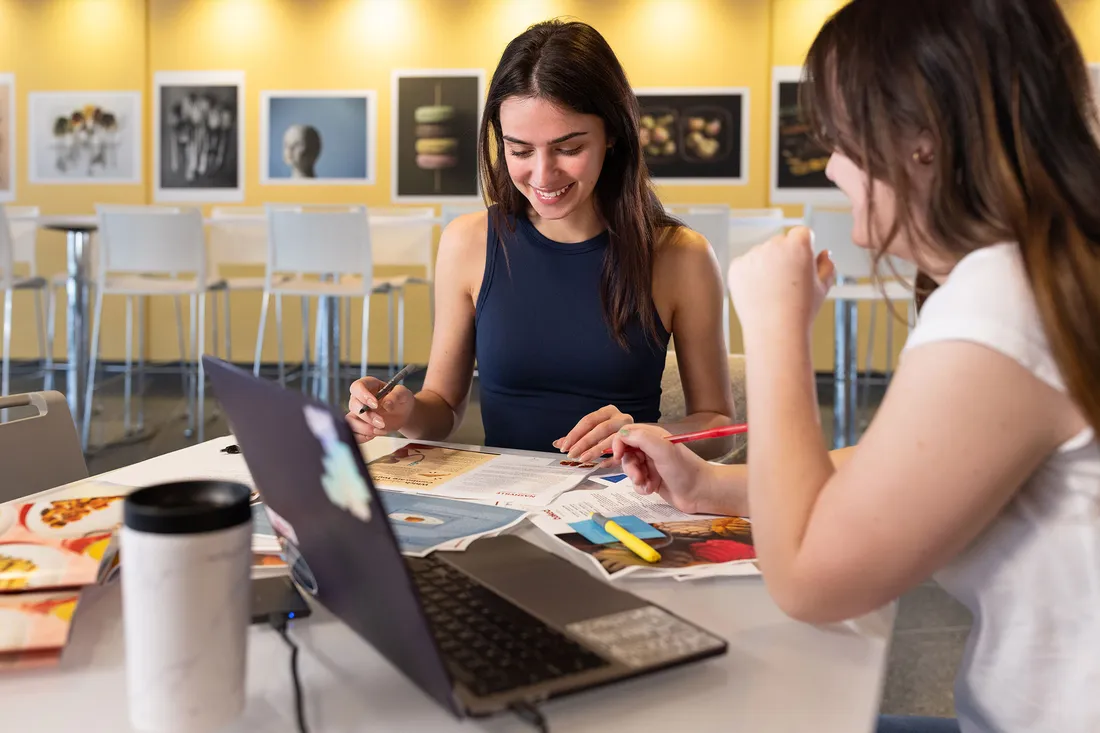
(926, 159)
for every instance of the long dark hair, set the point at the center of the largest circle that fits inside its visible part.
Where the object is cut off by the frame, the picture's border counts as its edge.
(1003, 90)
(572, 65)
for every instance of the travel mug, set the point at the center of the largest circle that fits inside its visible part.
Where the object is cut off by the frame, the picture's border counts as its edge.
(186, 561)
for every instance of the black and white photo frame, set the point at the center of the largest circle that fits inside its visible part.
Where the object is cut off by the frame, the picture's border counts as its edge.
(7, 137)
(198, 128)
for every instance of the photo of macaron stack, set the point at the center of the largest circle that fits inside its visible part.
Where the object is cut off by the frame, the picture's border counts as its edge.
(435, 124)
(436, 149)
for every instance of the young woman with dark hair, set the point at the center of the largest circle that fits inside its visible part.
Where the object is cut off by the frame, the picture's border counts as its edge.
(568, 289)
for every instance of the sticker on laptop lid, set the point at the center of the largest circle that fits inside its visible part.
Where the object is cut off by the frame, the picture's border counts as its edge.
(644, 637)
(342, 480)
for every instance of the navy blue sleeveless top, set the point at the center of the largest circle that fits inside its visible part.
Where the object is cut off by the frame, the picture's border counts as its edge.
(545, 355)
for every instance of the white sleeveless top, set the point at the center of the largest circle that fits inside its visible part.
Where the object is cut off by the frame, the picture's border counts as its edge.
(1032, 578)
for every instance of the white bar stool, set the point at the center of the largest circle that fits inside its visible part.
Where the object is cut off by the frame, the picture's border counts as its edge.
(18, 230)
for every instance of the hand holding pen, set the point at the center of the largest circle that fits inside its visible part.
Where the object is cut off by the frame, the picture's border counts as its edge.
(376, 408)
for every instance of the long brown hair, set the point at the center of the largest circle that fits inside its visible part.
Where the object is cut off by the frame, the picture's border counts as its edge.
(572, 65)
(1002, 89)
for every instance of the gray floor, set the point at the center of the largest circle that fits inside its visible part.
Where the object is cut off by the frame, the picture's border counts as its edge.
(931, 627)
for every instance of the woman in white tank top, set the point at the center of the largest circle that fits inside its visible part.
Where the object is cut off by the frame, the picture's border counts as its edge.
(963, 133)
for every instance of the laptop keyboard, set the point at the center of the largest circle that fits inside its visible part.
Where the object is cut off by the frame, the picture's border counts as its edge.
(489, 644)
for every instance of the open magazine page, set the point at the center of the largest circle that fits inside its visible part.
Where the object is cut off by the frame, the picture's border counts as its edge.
(501, 479)
(690, 545)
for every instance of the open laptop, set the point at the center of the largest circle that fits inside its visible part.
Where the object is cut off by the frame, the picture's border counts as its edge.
(503, 625)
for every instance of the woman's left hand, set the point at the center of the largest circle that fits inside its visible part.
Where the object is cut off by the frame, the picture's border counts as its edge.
(780, 285)
(593, 435)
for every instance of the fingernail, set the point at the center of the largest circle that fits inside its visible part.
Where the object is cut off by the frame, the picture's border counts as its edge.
(378, 422)
(556, 443)
(624, 432)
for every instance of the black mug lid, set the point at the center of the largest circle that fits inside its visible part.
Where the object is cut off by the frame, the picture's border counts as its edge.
(187, 507)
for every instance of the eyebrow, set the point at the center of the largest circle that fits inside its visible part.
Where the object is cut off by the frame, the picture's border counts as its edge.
(561, 139)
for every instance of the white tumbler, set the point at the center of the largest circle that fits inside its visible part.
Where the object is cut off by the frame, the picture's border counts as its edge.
(186, 561)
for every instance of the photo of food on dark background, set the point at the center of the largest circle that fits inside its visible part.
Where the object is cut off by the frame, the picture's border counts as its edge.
(801, 161)
(437, 118)
(691, 136)
(198, 137)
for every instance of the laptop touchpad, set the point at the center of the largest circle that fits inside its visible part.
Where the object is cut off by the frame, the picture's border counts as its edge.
(540, 582)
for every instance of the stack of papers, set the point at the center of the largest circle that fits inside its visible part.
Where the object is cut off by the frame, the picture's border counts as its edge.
(493, 478)
(692, 546)
(424, 524)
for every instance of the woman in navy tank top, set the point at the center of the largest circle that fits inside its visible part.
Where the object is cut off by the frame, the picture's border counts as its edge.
(568, 288)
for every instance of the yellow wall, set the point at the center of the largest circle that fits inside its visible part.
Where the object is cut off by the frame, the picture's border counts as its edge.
(354, 44)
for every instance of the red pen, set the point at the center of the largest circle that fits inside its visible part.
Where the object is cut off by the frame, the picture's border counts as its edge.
(721, 432)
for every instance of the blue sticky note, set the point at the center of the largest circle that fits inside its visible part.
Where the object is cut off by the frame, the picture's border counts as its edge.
(597, 536)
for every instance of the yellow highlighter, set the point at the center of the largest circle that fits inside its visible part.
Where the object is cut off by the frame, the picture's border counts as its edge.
(635, 545)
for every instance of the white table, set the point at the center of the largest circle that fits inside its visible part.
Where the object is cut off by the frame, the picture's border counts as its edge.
(778, 676)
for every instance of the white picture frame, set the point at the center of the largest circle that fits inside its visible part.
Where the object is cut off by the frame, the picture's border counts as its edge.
(121, 162)
(743, 128)
(780, 193)
(7, 132)
(396, 136)
(369, 98)
(227, 182)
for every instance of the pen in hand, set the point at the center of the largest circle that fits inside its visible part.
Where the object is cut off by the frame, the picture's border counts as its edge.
(388, 386)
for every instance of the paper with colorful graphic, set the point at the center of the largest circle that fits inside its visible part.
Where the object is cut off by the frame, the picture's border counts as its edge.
(501, 479)
(691, 545)
(36, 621)
(61, 543)
(427, 523)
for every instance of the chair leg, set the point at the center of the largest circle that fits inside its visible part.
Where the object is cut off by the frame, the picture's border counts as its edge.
(128, 379)
(279, 342)
(213, 325)
(41, 330)
(228, 340)
(97, 321)
(393, 347)
(51, 313)
(191, 358)
(200, 371)
(5, 379)
(865, 387)
(347, 329)
(141, 363)
(401, 329)
(363, 337)
(184, 373)
(305, 343)
(260, 333)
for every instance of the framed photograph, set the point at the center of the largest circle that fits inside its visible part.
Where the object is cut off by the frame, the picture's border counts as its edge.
(7, 137)
(436, 114)
(696, 135)
(1094, 75)
(198, 124)
(85, 137)
(315, 137)
(797, 161)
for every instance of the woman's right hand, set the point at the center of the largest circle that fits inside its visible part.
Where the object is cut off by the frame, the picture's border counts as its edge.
(391, 415)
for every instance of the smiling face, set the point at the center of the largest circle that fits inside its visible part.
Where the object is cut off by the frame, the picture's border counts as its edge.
(554, 155)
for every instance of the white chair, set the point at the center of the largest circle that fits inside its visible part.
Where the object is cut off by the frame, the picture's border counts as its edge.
(403, 237)
(333, 242)
(237, 237)
(143, 250)
(713, 222)
(17, 248)
(857, 282)
(750, 227)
